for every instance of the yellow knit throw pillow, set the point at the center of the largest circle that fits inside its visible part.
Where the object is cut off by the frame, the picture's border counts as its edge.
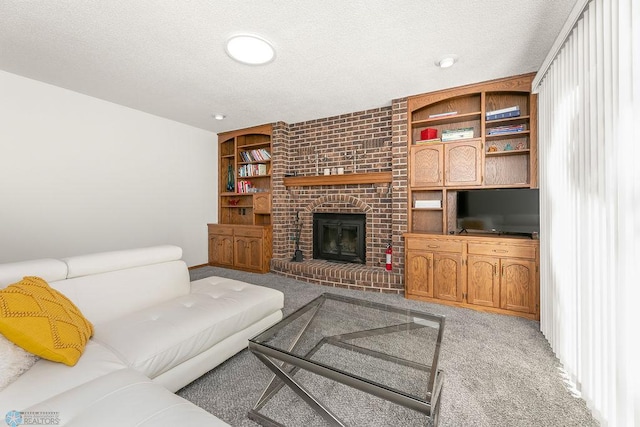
(42, 321)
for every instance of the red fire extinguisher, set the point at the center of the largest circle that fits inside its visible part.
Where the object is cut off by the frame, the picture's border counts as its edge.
(389, 251)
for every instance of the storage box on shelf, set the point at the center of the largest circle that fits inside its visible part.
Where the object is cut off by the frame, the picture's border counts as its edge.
(242, 237)
(485, 137)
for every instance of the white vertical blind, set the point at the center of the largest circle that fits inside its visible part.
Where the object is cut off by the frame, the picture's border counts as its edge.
(589, 108)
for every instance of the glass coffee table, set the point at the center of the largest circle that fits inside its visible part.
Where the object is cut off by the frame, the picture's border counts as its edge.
(345, 361)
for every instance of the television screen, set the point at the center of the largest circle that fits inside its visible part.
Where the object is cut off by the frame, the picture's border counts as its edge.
(508, 211)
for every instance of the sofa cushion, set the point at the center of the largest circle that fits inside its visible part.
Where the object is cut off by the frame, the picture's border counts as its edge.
(124, 397)
(84, 265)
(43, 321)
(157, 339)
(107, 296)
(46, 379)
(49, 269)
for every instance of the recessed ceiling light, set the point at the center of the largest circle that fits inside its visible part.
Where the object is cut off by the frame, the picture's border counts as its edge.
(447, 61)
(219, 116)
(250, 49)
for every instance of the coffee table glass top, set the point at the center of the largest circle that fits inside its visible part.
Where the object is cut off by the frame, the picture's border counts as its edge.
(391, 348)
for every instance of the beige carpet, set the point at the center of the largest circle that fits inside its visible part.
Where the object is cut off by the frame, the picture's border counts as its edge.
(499, 371)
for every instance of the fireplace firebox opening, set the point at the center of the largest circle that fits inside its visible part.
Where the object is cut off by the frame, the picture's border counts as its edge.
(339, 237)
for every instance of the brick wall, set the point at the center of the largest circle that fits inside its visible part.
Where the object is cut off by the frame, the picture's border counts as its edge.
(367, 141)
(400, 179)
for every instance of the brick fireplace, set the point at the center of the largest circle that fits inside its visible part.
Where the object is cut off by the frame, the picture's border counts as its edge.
(369, 143)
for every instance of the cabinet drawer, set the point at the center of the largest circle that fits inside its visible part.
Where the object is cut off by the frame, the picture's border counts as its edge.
(249, 232)
(502, 250)
(221, 230)
(434, 245)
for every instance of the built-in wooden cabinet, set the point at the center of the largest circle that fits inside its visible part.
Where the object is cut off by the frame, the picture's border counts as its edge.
(242, 237)
(503, 275)
(221, 246)
(452, 164)
(434, 268)
(487, 273)
(488, 158)
(243, 247)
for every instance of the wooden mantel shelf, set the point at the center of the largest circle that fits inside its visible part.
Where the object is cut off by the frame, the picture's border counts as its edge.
(346, 179)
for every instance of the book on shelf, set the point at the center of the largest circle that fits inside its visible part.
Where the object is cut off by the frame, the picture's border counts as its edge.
(505, 129)
(468, 129)
(428, 141)
(504, 110)
(503, 113)
(448, 113)
(456, 134)
(252, 170)
(431, 204)
(259, 155)
(244, 186)
(456, 137)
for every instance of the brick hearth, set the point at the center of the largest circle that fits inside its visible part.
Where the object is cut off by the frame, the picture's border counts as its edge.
(350, 276)
(362, 142)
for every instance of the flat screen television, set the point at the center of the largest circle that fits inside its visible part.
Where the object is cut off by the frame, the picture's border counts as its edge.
(501, 211)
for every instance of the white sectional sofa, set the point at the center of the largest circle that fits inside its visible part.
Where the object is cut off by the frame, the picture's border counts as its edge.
(154, 332)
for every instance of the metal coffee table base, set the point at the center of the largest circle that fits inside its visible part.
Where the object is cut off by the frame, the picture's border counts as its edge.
(284, 374)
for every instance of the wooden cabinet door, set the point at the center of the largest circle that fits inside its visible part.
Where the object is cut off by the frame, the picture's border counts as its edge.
(262, 203)
(254, 249)
(447, 276)
(427, 166)
(248, 253)
(483, 281)
(221, 250)
(240, 252)
(419, 273)
(463, 163)
(517, 291)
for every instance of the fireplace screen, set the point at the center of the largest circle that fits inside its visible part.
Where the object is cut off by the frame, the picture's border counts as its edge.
(339, 237)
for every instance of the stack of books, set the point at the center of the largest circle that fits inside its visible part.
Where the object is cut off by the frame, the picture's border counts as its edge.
(255, 169)
(259, 155)
(244, 187)
(505, 129)
(456, 134)
(428, 141)
(504, 113)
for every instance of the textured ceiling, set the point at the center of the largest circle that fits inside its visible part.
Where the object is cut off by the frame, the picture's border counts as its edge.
(167, 57)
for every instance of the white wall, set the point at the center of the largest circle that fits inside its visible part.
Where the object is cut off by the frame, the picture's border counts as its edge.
(81, 175)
